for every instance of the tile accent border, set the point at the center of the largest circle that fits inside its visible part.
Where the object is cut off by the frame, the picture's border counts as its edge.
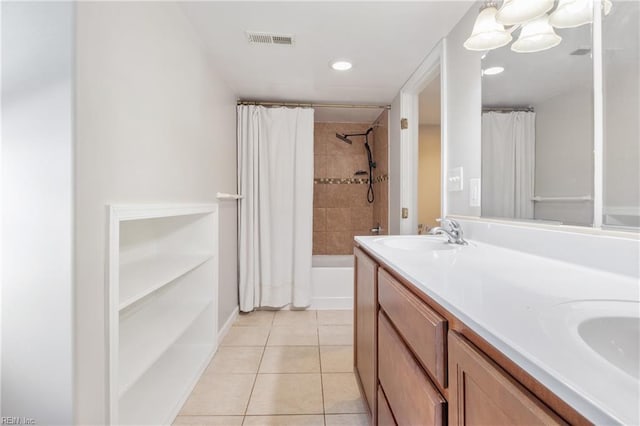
(381, 178)
(349, 181)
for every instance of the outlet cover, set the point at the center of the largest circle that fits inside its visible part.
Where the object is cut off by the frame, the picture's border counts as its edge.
(454, 179)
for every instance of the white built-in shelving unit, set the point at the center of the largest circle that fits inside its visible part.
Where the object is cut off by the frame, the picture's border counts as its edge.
(163, 271)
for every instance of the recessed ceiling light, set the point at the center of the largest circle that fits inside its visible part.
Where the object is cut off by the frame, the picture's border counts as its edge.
(341, 65)
(492, 71)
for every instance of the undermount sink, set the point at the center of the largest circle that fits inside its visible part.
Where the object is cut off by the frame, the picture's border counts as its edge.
(616, 339)
(416, 243)
(610, 328)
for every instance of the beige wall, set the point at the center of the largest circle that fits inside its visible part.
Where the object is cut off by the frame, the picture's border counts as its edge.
(429, 175)
(154, 124)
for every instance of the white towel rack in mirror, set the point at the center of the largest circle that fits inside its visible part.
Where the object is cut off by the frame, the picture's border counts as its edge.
(574, 198)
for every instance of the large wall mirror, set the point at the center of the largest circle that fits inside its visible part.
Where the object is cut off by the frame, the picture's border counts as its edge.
(621, 44)
(537, 131)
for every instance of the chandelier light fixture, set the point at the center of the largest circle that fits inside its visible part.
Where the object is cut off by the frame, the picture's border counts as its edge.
(494, 26)
(574, 13)
(536, 36)
(516, 12)
(487, 33)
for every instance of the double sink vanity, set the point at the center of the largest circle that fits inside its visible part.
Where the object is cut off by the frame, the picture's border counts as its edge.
(537, 319)
(485, 334)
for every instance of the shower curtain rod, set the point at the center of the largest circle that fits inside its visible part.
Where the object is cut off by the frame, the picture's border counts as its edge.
(311, 105)
(508, 109)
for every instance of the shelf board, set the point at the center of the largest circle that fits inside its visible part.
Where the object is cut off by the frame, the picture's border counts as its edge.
(156, 398)
(147, 335)
(123, 212)
(139, 279)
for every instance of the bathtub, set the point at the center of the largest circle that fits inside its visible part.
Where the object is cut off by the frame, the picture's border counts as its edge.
(332, 282)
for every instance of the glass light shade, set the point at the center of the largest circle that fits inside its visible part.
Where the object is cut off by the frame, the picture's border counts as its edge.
(536, 36)
(574, 13)
(487, 34)
(607, 7)
(515, 12)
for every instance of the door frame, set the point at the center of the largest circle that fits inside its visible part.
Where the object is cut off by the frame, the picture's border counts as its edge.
(434, 63)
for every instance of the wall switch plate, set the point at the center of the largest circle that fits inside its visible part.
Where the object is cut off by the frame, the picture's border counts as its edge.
(454, 179)
(475, 191)
(405, 213)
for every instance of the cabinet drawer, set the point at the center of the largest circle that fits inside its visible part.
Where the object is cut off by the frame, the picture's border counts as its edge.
(413, 399)
(422, 328)
(385, 417)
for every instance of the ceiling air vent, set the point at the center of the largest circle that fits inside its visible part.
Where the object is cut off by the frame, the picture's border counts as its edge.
(267, 38)
(581, 52)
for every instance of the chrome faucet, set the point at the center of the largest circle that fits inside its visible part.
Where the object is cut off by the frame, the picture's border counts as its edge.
(451, 229)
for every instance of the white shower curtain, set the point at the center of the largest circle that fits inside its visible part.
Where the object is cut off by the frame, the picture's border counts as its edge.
(508, 164)
(275, 176)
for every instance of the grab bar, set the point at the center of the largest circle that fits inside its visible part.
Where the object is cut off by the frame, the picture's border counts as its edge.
(575, 198)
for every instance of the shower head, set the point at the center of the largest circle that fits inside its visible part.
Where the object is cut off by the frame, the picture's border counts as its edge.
(344, 138)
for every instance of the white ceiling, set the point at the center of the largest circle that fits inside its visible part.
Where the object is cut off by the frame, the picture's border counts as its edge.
(530, 78)
(429, 103)
(386, 41)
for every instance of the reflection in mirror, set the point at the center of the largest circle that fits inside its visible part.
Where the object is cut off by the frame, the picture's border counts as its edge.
(537, 131)
(620, 37)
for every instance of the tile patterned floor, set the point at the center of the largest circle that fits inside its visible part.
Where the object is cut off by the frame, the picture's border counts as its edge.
(284, 368)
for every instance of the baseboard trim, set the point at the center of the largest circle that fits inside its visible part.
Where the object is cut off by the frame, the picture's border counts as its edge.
(227, 325)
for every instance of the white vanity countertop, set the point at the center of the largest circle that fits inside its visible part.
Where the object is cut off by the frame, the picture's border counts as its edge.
(528, 307)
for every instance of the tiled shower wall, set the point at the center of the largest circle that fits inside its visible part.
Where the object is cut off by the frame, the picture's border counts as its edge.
(340, 207)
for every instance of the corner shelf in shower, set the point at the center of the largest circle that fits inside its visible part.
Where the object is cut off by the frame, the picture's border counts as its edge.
(163, 272)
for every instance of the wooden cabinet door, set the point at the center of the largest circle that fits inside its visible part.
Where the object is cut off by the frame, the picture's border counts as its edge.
(481, 393)
(365, 327)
